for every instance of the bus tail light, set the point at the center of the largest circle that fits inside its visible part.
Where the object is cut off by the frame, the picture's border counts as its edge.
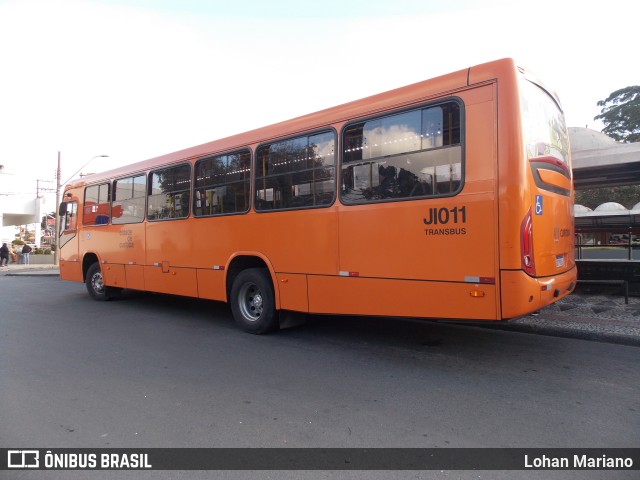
(526, 244)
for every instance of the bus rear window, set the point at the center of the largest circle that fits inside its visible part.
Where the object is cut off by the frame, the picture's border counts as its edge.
(545, 131)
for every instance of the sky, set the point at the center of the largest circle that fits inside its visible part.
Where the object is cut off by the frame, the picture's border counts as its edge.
(140, 78)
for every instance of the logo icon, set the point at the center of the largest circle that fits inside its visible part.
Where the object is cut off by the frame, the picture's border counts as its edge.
(23, 459)
(538, 204)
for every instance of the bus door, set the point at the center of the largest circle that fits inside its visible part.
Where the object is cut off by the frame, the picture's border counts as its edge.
(70, 262)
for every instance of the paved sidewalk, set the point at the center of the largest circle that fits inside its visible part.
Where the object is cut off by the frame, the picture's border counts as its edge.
(603, 318)
(29, 270)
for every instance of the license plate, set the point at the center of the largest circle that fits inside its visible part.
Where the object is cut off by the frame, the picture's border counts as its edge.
(559, 261)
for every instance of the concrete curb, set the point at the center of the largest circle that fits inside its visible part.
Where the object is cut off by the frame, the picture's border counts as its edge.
(592, 334)
(30, 271)
(33, 274)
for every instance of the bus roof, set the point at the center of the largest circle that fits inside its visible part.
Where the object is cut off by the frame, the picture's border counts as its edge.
(414, 93)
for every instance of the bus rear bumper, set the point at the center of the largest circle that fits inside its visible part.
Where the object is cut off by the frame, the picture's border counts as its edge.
(522, 294)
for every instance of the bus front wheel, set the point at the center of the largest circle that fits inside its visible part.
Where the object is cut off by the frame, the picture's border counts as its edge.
(95, 284)
(253, 301)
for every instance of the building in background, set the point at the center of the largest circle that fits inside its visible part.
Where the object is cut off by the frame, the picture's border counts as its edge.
(18, 209)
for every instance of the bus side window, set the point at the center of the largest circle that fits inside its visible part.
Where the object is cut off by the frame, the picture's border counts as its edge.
(222, 184)
(408, 155)
(129, 195)
(97, 206)
(168, 193)
(296, 173)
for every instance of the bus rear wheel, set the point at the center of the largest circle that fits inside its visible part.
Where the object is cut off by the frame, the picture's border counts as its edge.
(253, 301)
(95, 284)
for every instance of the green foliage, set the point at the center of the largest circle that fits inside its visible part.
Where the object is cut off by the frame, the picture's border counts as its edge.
(627, 195)
(17, 241)
(621, 114)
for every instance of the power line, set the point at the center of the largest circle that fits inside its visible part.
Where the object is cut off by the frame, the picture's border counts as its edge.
(24, 193)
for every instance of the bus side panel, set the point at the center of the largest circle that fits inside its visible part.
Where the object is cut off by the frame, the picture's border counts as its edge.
(71, 270)
(114, 275)
(135, 276)
(176, 281)
(446, 243)
(118, 247)
(404, 298)
(120, 244)
(392, 240)
(167, 254)
(293, 292)
(211, 284)
(168, 241)
(297, 241)
(483, 173)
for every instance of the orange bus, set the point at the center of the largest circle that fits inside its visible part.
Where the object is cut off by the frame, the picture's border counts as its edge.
(449, 199)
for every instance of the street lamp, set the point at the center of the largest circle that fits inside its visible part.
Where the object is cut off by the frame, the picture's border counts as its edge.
(90, 160)
(58, 185)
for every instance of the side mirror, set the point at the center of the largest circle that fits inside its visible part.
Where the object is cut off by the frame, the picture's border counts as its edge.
(63, 209)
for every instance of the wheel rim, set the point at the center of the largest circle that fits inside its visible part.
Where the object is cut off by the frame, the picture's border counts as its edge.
(97, 284)
(250, 302)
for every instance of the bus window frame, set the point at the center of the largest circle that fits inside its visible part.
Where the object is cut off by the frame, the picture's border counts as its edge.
(114, 181)
(150, 186)
(309, 133)
(397, 111)
(109, 185)
(219, 154)
(63, 217)
(65, 235)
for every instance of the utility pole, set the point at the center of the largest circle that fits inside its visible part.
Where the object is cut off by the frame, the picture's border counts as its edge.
(39, 202)
(56, 251)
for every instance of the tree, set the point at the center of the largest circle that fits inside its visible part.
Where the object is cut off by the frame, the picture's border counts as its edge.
(621, 114)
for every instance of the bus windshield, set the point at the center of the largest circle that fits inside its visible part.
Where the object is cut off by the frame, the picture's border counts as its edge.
(545, 131)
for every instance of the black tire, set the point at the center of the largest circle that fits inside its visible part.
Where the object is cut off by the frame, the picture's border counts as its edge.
(253, 302)
(95, 284)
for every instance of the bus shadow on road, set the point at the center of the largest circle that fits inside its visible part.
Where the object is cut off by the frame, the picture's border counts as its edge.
(424, 335)
(406, 333)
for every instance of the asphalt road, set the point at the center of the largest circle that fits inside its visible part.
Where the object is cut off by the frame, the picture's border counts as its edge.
(158, 371)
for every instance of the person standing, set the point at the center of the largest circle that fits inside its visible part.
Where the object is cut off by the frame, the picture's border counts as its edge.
(26, 250)
(4, 255)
